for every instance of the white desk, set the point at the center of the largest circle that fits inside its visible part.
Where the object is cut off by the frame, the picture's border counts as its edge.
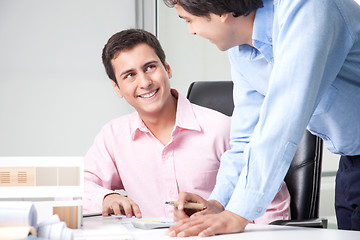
(252, 232)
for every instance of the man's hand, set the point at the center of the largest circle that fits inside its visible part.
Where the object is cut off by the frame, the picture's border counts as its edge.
(118, 204)
(209, 225)
(182, 213)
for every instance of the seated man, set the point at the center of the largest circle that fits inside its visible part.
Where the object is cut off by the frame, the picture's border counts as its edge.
(167, 146)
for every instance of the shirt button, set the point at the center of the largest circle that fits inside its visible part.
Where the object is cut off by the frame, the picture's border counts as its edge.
(259, 209)
(270, 39)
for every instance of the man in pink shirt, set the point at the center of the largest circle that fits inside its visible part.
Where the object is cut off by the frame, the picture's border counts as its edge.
(165, 147)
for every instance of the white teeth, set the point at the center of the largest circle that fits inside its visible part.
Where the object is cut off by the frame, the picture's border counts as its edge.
(148, 95)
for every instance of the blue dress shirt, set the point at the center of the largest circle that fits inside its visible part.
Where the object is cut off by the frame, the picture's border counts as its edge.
(303, 72)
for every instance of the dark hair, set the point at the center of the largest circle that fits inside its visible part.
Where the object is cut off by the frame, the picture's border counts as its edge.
(127, 40)
(205, 7)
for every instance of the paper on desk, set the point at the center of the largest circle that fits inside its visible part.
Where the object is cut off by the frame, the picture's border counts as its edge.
(113, 227)
(106, 232)
(17, 213)
(148, 222)
(99, 227)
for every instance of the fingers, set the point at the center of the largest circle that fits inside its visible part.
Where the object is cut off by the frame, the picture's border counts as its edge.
(118, 205)
(207, 232)
(208, 225)
(130, 209)
(179, 214)
(212, 207)
(201, 226)
(204, 212)
(182, 198)
(106, 212)
(189, 197)
(127, 209)
(136, 210)
(187, 227)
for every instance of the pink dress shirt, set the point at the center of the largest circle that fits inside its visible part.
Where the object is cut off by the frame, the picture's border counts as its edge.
(126, 155)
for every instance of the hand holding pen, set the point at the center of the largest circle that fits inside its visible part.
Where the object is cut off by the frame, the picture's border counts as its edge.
(193, 203)
(189, 204)
(187, 223)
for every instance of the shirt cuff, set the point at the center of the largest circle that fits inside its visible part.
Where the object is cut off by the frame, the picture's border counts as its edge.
(237, 204)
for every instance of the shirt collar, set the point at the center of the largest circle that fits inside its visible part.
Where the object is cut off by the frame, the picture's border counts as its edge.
(185, 117)
(262, 29)
(137, 126)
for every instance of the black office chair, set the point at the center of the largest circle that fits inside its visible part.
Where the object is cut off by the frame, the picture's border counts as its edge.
(304, 175)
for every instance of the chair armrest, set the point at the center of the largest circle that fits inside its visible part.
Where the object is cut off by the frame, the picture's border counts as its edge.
(313, 223)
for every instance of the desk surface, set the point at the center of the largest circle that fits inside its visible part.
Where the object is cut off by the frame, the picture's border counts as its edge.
(94, 227)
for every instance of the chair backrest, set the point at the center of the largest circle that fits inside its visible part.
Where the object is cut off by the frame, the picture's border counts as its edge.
(303, 177)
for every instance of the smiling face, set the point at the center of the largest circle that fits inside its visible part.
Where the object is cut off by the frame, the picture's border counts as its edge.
(225, 31)
(143, 80)
(210, 27)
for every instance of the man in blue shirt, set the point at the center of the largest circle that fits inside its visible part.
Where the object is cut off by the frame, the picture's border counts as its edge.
(295, 65)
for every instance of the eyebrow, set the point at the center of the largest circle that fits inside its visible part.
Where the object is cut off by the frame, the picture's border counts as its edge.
(131, 69)
(126, 72)
(151, 62)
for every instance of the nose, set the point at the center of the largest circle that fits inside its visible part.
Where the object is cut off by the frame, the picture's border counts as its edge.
(191, 29)
(144, 81)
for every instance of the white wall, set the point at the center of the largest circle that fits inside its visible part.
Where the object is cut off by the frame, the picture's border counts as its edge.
(54, 93)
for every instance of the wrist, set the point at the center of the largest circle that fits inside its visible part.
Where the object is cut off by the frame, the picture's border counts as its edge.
(236, 217)
(113, 193)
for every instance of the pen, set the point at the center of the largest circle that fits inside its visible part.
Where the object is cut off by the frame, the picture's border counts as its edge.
(188, 205)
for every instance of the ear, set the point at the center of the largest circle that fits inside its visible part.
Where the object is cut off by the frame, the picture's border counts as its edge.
(168, 70)
(117, 89)
(225, 16)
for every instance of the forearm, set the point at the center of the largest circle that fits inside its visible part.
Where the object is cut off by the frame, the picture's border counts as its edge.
(94, 195)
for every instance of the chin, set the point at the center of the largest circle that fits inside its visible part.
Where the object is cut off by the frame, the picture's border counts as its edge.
(222, 48)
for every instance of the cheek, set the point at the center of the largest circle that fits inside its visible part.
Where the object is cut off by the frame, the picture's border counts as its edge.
(159, 76)
(202, 31)
(163, 80)
(127, 89)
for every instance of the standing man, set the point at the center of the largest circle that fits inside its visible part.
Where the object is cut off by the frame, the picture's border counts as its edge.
(295, 65)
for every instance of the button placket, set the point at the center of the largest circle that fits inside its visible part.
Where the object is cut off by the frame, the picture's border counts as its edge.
(169, 178)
